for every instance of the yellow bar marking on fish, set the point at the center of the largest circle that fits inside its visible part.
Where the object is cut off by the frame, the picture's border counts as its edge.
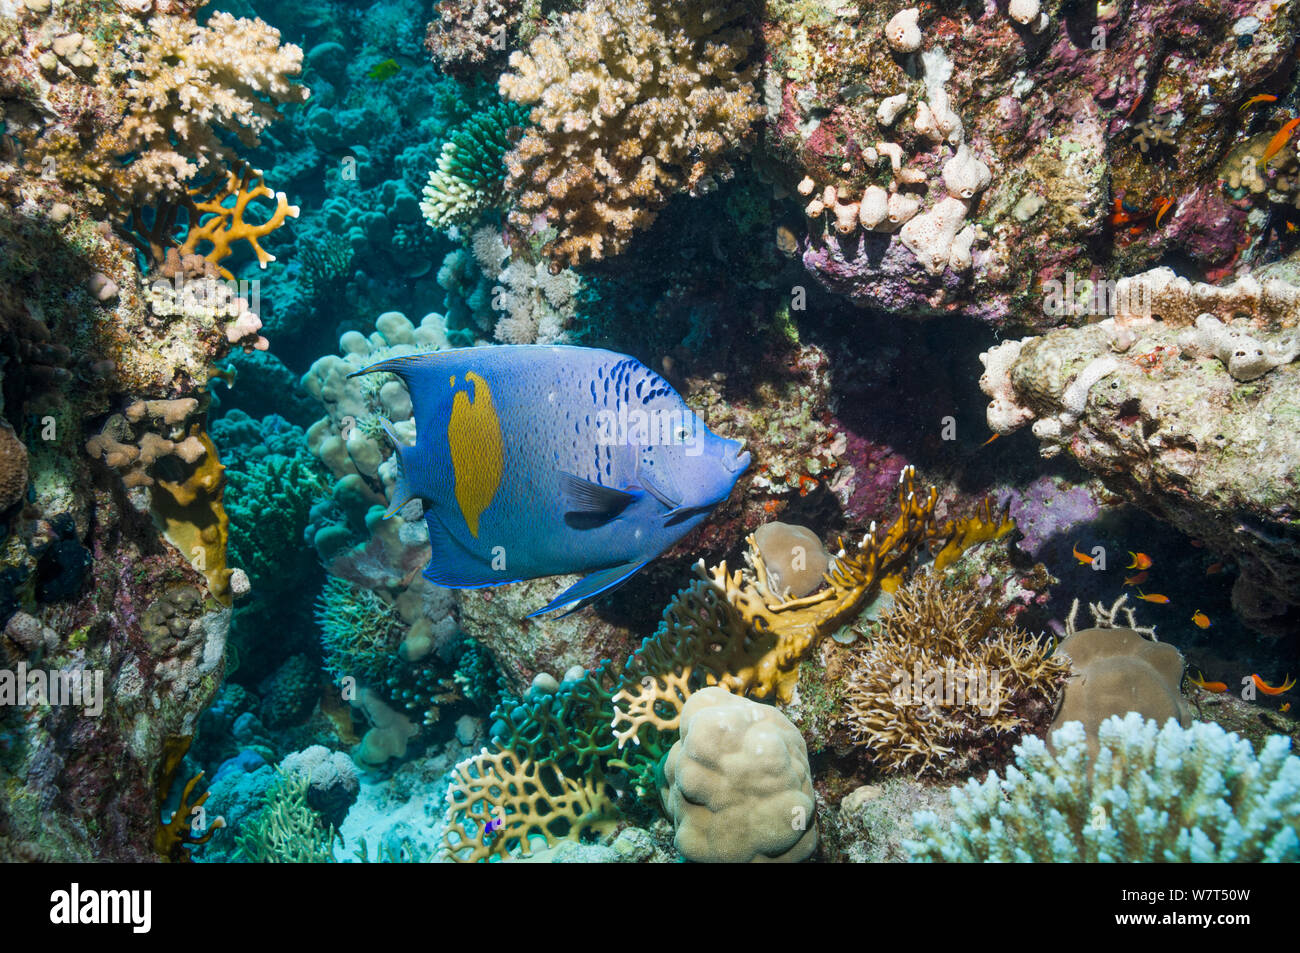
(477, 450)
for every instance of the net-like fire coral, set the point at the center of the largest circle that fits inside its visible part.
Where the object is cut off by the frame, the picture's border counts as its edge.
(633, 103)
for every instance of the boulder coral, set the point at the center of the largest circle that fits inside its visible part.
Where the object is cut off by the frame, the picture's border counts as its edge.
(737, 783)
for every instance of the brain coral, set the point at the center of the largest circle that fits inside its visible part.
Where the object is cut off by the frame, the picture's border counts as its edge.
(737, 783)
(633, 102)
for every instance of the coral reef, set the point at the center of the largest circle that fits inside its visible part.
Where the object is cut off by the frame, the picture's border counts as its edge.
(470, 35)
(1153, 794)
(737, 783)
(943, 677)
(287, 830)
(1183, 404)
(469, 177)
(632, 103)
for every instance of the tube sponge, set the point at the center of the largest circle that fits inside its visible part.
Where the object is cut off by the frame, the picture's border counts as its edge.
(737, 783)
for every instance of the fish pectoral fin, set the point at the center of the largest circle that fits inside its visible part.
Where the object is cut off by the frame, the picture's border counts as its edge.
(589, 505)
(588, 587)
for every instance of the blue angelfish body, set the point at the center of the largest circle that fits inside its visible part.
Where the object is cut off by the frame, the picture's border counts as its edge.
(539, 460)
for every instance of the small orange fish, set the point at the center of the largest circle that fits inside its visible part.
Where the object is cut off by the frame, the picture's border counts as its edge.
(1277, 142)
(1214, 687)
(1155, 597)
(1140, 561)
(990, 440)
(1213, 569)
(1201, 619)
(1261, 98)
(1286, 706)
(1197, 543)
(1136, 579)
(1292, 227)
(1083, 560)
(1268, 689)
(1162, 206)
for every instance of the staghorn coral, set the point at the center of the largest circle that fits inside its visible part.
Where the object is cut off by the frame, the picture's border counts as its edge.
(633, 102)
(1153, 794)
(360, 633)
(942, 676)
(287, 830)
(469, 177)
(737, 783)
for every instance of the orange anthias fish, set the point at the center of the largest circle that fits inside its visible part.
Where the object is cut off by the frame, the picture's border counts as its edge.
(1261, 98)
(1084, 560)
(1136, 579)
(1268, 689)
(1214, 569)
(1162, 206)
(1201, 619)
(1140, 561)
(1286, 706)
(1277, 142)
(1215, 687)
(1154, 597)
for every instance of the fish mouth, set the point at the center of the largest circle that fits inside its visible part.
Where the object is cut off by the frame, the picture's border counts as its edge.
(737, 461)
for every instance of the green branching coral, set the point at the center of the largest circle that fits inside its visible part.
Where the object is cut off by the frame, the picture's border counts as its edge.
(470, 173)
(287, 831)
(360, 633)
(269, 502)
(1167, 794)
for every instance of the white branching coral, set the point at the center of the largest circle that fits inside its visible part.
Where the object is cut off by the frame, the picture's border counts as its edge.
(184, 81)
(1168, 794)
(534, 305)
(633, 102)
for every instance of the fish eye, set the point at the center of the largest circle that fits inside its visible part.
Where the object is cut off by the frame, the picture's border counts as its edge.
(682, 434)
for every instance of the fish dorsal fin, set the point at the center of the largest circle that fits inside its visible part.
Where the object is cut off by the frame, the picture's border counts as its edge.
(588, 587)
(402, 488)
(588, 505)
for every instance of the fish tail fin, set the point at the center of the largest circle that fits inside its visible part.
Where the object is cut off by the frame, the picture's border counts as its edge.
(403, 491)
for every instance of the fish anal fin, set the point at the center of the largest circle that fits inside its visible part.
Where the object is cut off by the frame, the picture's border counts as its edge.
(590, 586)
(589, 505)
(455, 567)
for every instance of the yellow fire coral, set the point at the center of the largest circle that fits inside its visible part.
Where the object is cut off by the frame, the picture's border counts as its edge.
(731, 629)
(633, 102)
(943, 676)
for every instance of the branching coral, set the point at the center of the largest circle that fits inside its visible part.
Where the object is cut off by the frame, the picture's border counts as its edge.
(470, 173)
(1169, 794)
(471, 35)
(184, 82)
(633, 102)
(944, 675)
(287, 831)
(360, 633)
